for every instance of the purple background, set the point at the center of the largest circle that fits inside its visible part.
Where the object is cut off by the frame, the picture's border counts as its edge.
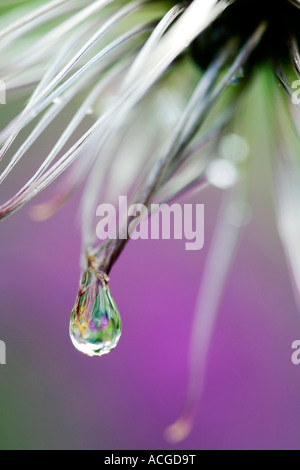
(51, 396)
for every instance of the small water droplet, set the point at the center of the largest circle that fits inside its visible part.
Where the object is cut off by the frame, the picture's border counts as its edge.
(235, 148)
(95, 324)
(222, 173)
(57, 100)
(238, 76)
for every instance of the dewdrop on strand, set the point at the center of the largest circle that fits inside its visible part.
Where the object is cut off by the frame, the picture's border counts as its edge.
(95, 324)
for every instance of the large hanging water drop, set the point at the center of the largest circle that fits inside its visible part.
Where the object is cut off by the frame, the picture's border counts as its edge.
(95, 324)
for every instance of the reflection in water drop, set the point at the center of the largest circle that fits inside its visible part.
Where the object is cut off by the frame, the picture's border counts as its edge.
(95, 324)
(222, 173)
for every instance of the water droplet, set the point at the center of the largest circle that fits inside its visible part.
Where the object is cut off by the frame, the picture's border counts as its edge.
(239, 74)
(235, 148)
(222, 173)
(95, 324)
(57, 100)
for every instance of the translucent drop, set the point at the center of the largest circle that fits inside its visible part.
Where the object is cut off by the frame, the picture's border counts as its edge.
(235, 148)
(222, 173)
(95, 324)
(57, 100)
(239, 75)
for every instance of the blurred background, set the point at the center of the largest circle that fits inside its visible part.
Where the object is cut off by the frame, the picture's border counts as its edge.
(53, 397)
